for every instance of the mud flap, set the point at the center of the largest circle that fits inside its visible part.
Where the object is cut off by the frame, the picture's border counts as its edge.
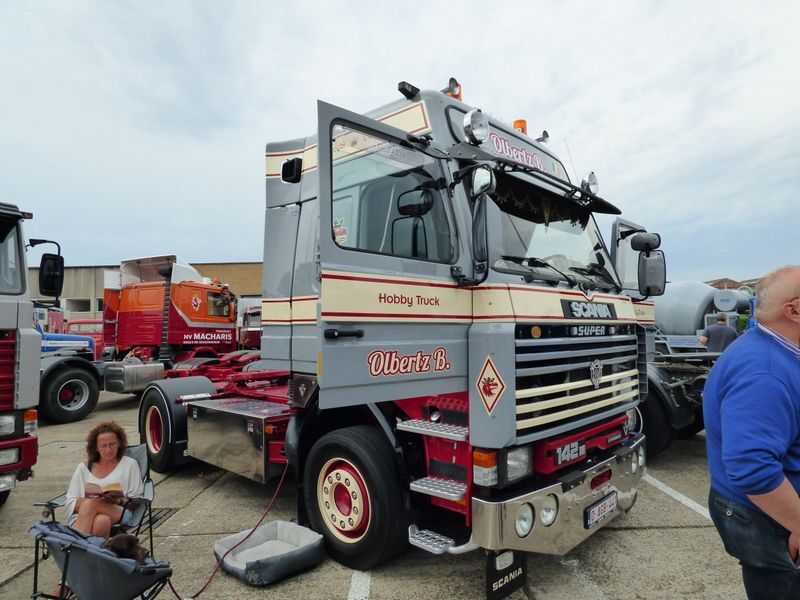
(506, 572)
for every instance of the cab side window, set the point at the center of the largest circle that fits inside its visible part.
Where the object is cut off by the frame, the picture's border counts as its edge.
(387, 198)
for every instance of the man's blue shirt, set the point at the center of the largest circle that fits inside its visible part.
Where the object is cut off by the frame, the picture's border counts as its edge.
(751, 408)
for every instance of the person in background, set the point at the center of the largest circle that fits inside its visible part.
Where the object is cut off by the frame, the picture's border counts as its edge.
(719, 336)
(751, 407)
(105, 464)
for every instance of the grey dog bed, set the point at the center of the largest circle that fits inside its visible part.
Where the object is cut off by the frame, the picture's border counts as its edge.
(274, 551)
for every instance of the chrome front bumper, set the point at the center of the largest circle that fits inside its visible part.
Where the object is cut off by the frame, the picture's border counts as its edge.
(493, 522)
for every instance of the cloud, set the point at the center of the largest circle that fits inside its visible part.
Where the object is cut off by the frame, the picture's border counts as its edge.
(133, 128)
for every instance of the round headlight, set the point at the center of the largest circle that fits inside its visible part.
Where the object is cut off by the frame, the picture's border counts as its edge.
(590, 183)
(476, 126)
(634, 462)
(524, 521)
(549, 510)
(641, 457)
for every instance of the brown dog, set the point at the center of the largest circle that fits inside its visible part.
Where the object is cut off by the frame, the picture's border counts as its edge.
(126, 545)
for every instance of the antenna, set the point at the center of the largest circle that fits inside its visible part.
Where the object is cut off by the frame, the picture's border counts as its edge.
(572, 164)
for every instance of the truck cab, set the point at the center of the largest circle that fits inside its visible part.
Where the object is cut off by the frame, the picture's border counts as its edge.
(440, 269)
(20, 349)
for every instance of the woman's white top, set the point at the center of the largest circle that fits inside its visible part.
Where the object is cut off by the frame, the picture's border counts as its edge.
(126, 473)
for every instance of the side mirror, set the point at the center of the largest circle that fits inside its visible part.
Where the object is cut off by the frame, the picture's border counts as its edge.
(292, 170)
(652, 273)
(415, 203)
(51, 275)
(483, 181)
(645, 242)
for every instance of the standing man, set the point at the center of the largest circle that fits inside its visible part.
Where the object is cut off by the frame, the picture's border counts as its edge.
(751, 406)
(719, 336)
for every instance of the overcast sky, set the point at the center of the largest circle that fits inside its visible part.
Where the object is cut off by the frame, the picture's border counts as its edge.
(138, 128)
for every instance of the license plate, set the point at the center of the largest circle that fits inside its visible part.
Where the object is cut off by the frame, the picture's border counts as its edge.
(599, 511)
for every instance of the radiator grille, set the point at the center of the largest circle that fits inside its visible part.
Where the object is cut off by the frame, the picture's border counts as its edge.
(565, 379)
(8, 362)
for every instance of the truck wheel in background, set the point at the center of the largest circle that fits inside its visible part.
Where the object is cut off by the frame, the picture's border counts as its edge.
(693, 429)
(154, 430)
(4, 497)
(353, 497)
(655, 425)
(162, 420)
(68, 395)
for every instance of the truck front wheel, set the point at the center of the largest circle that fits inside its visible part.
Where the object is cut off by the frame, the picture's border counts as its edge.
(4, 496)
(353, 497)
(69, 395)
(657, 429)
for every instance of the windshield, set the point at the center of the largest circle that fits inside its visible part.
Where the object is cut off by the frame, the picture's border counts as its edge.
(543, 233)
(11, 276)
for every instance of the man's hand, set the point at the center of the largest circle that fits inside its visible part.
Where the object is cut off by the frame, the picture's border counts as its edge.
(794, 546)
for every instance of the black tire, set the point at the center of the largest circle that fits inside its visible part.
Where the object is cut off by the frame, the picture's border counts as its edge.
(162, 421)
(4, 496)
(68, 395)
(693, 429)
(155, 430)
(655, 425)
(355, 469)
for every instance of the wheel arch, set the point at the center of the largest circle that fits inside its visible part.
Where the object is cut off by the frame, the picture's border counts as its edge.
(679, 415)
(53, 364)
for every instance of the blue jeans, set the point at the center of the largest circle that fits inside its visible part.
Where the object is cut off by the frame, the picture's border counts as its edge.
(760, 544)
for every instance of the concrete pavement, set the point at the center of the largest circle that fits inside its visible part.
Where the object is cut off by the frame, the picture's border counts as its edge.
(663, 549)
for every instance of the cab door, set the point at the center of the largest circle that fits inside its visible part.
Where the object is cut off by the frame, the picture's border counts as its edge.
(393, 321)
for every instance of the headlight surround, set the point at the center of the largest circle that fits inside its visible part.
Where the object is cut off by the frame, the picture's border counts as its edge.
(549, 510)
(523, 523)
(476, 126)
(519, 463)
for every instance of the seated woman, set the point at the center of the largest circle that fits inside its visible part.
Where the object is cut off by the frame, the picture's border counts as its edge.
(106, 467)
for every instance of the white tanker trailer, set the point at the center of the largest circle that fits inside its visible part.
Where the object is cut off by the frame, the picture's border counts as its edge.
(677, 375)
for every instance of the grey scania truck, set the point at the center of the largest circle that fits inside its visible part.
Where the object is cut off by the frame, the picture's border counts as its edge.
(451, 354)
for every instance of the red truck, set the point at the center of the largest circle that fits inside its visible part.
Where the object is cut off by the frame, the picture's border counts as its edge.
(20, 349)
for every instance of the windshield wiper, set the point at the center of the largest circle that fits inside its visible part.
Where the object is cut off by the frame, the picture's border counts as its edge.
(534, 262)
(598, 271)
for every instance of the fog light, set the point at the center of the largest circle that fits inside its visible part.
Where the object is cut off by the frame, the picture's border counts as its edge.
(549, 510)
(641, 457)
(7, 482)
(524, 521)
(634, 462)
(9, 456)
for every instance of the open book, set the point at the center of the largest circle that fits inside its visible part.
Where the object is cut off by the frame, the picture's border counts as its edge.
(112, 490)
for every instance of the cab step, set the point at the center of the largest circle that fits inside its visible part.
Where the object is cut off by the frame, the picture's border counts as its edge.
(448, 489)
(457, 433)
(433, 542)
(436, 543)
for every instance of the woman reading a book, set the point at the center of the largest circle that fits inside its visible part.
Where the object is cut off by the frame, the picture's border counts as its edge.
(101, 486)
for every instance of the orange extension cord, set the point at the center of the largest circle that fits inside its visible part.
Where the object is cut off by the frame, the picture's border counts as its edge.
(219, 563)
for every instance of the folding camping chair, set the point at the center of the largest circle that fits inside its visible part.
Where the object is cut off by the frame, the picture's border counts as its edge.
(92, 572)
(140, 507)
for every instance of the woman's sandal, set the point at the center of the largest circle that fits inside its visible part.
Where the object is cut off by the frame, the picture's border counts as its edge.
(62, 592)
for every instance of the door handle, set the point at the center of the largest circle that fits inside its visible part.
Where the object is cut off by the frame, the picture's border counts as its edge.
(335, 334)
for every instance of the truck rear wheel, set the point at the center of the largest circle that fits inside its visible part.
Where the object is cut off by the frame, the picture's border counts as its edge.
(68, 395)
(155, 432)
(655, 425)
(353, 497)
